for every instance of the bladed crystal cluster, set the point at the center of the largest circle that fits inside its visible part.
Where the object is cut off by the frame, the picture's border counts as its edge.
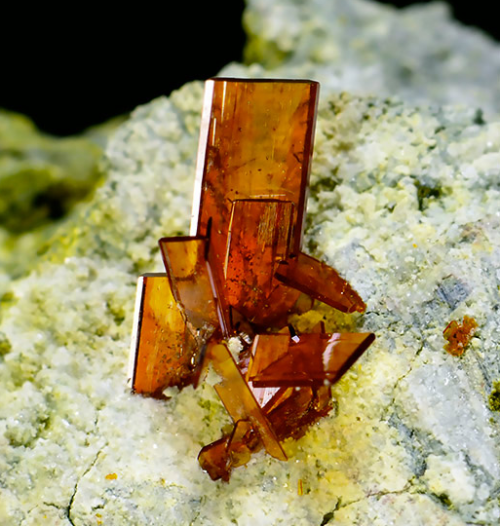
(241, 274)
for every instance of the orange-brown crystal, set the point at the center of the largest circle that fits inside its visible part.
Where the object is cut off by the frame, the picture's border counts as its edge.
(303, 407)
(164, 349)
(189, 275)
(308, 359)
(239, 400)
(230, 451)
(320, 281)
(241, 273)
(214, 458)
(256, 143)
(258, 239)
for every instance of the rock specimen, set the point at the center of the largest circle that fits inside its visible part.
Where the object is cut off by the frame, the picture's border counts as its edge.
(403, 203)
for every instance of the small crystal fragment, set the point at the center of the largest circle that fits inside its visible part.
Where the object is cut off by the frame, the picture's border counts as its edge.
(215, 460)
(320, 281)
(164, 351)
(230, 451)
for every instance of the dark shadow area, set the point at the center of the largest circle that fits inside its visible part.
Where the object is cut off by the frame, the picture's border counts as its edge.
(71, 69)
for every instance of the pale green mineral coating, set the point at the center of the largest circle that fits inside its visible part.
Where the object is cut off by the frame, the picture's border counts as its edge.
(404, 203)
(41, 179)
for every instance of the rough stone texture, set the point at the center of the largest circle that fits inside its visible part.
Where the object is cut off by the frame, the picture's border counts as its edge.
(404, 203)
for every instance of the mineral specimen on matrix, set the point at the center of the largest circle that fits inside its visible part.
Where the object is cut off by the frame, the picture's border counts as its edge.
(242, 272)
(403, 203)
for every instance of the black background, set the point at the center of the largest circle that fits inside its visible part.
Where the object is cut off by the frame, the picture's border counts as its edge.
(70, 68)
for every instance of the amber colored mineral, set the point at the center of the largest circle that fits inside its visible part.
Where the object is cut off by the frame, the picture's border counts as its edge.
(162, 347)
(242, 272)
(189, 275)
(320, 281)
(258, 239)
(255, 144)
(303, 407)
(239, 401)
(308, 359)
(230, 451)
(458, 335)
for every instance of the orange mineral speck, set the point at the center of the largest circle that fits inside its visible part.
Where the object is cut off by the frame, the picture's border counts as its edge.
(111, 476)
(300, 489)
(458, 335)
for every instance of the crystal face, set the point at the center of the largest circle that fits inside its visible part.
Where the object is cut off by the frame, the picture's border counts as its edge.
(258, 239)
(164, 349)
(241, 273)
(310, 359)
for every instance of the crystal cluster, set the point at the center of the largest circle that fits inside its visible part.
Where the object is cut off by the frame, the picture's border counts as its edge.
(241, 273)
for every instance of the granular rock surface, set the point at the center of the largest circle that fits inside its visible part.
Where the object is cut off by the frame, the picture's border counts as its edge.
(403, 203)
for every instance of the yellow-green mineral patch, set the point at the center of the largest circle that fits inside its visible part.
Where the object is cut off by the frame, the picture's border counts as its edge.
(494, 398)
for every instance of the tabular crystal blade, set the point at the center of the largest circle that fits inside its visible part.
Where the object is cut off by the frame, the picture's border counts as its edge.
(190, 280)
(311, 360)
(163, 351)
(266, 350)
(320, 281)
(239, 400)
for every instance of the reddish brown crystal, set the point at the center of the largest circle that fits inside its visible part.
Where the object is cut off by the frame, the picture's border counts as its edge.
(239, 400)
(320, 281)
(458, 335)
(303, 407)
(214, 458)
(164, 351)
(189, 275)
(258, 239)
(256, 143)
(308, 359)
(257, 140)
(242, 272)
(266, 350)
(230, 451)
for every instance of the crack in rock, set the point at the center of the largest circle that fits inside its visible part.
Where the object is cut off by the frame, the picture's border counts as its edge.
(75, 490)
